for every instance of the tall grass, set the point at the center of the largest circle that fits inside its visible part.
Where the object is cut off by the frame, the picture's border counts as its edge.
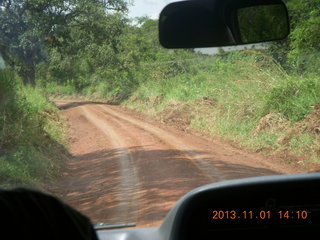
(294, 98)
(29, 138)
(247, 90)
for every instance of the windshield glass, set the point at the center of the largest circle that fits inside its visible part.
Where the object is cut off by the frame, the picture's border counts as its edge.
(94, 111)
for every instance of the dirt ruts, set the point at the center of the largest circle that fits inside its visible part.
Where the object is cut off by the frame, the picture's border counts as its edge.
(126, 168)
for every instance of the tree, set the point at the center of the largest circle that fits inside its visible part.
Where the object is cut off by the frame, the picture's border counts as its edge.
(304, 41)
(30, 27)
(20, 41)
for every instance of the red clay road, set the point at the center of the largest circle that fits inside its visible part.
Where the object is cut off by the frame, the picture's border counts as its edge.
(127, 168)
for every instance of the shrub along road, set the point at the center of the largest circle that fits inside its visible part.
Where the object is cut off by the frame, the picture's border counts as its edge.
(127, 168)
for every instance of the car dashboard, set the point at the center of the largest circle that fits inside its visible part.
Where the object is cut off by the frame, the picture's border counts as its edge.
(262, 207)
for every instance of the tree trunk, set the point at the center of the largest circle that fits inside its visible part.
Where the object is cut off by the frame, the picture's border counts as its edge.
(28, 75)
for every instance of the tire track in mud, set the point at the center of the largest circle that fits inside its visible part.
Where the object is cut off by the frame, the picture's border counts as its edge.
(220, 161)
(128, 172)
(202, 164)
(156, 203)
(189, 155)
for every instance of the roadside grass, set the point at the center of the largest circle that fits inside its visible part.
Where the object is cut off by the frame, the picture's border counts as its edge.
(245, 98)
(52, 88)
(31, 135)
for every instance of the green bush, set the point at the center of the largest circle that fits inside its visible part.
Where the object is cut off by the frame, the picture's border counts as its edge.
(54, 88)
(295, 99)
(28, 141)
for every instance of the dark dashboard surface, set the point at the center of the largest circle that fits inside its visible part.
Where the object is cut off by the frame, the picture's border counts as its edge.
(261, 206)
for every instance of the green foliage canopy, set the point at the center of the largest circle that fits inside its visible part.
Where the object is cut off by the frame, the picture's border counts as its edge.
(32, 27)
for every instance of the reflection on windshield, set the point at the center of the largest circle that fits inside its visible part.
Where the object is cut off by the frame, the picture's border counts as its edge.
(96, 112)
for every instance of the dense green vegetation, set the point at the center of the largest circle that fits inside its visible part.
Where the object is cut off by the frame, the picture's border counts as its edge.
(245, 98)
(30, 151)
(267, 100)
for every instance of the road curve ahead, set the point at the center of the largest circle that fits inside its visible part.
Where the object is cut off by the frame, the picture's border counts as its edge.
(126, 168)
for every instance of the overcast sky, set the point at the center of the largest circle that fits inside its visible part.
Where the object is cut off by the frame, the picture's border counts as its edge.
(151, 8)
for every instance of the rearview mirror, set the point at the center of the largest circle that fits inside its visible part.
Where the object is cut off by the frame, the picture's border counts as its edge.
(217, 23)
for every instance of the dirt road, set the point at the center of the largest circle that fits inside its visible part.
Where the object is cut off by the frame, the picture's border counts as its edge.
(126, 168)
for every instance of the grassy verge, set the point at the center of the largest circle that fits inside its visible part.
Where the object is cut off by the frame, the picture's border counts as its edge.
(31, 135)
(245, 98)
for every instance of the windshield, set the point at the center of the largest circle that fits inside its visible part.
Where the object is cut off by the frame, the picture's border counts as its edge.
(94, 111)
